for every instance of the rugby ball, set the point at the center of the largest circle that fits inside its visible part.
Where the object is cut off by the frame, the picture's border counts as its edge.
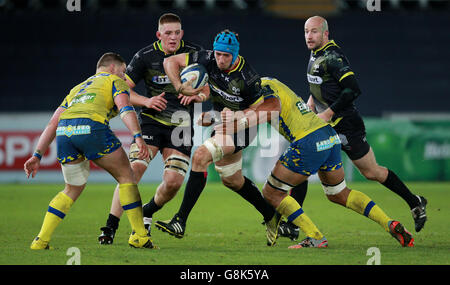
(197, 70)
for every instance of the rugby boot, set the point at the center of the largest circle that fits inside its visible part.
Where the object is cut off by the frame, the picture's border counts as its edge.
(311, 242)
(38, 244)
(288, 230)
(399, 232)
(137, 241)
(419, 214)
(148, 224)
(272, 229)
(107, 235)
(174, 227)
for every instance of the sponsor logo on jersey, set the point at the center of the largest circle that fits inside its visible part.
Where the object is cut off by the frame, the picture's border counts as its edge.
(73, 130)
(329, 143)
(314, 79)
(225, 95)
(161, 79)
(83, 98)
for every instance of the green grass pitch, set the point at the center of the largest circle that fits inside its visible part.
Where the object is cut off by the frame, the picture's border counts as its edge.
(223, 229)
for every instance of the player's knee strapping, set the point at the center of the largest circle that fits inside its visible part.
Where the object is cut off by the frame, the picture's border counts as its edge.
(133, 155)
(130, 200)
(177, 163)
(230, 169)
(334, 189)
(58, 208)
(76, 174)
(278, 184)
(214, 148)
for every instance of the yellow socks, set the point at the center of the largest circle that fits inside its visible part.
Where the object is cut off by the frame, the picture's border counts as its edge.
(361, 203)
(57, 210)
(132, 205)
(294, 213)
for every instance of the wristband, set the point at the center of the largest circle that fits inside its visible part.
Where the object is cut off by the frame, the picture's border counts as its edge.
(38, 154)
(137, 135)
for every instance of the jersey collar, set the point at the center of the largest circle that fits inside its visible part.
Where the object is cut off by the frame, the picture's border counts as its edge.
(157, 45)
(238, 66)
(329, 44)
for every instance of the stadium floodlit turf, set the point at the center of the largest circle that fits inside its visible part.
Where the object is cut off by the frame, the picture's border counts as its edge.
(223, 229)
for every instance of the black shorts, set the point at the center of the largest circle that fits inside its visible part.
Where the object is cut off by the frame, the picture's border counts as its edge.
(163, 136)
(243, 139)
(352, 132)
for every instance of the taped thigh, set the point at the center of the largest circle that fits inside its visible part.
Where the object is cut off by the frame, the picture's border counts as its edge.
(76, 174)
(214, 148)
(230, 169)
(278, 184)
(133, 155)
(177, 163)
(334, 189)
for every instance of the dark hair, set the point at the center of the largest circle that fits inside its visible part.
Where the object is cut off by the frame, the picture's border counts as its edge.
(108, 58)
(169, 18)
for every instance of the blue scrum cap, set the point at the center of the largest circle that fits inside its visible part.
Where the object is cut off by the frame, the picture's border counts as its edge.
(227, 41)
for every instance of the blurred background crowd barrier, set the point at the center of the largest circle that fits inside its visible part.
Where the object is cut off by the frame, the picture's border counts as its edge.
(397, 49)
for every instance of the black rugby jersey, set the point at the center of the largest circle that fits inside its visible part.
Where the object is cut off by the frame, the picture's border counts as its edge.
(237, 89)
(327, 67)
(147, 65)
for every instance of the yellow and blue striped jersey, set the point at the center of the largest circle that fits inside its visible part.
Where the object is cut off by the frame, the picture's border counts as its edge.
(94, 98)
(296, 120)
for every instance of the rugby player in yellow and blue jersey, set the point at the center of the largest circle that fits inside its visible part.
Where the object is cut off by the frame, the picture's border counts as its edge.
(81, 127)
(314, 148)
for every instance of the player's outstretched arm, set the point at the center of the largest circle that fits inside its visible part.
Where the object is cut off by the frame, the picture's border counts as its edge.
(264, 112)
(129, 118)
(31, 166)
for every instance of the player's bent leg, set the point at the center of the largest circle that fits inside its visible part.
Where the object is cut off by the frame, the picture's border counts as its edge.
(229, 169)
(230, 172)
(210, 151)
(117, 164)
(176, 165)
(138, 167)
(288, 229)
(339, 193)
(59, 206)
(368, 167)
(276, 190)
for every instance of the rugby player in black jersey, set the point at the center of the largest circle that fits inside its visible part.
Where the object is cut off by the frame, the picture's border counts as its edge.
(333, 89)
(158, 105)
(235, 85)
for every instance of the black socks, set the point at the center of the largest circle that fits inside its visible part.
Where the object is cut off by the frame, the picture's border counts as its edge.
(251, 193)
(394, 184)
(194, 187)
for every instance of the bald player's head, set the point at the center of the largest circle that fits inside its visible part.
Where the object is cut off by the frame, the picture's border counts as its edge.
(316, 32)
